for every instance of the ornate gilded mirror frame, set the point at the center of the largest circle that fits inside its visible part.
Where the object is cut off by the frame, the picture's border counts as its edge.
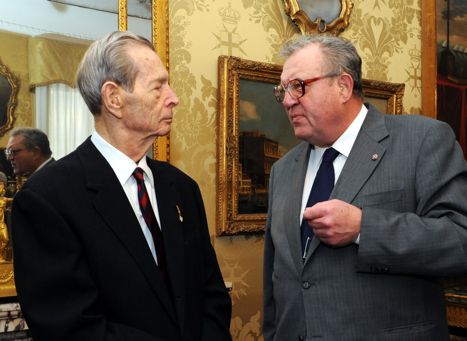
(8, 98)
(319, 16)
(160, 39)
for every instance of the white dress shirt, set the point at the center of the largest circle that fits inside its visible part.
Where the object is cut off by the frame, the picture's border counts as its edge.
(343, 145)
(123, 168)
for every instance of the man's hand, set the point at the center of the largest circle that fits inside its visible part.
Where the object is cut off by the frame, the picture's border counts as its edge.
(334, 222)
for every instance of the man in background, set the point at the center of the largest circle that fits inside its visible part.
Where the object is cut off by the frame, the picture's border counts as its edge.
(365, 215)
(28, 150)
(110, 245)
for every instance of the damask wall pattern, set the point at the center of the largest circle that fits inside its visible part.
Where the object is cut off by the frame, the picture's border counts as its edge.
(387, 34)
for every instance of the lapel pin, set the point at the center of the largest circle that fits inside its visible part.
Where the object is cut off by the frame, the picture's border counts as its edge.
(180, 217)
(374, 157)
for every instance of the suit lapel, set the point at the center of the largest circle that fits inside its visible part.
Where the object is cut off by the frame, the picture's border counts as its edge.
(294, 203)
(171, 216)
(363, 159)
(111, 203)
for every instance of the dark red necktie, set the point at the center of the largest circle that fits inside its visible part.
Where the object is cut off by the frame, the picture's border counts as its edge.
(150, 218)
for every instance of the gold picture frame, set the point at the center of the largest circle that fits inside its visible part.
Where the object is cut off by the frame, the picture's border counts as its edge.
(231, 72)
(240, 194)
(387, 97)
(9, 85)
(319, 16)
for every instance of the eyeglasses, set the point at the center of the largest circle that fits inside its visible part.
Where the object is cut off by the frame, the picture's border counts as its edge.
(295, 87)
(12, 152)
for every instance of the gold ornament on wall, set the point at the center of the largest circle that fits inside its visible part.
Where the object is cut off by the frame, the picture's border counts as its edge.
(319, 16)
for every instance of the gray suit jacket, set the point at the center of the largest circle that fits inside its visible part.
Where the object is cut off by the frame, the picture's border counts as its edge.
(414, 229)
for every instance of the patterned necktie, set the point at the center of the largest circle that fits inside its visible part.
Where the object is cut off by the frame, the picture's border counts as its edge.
(150, 218)
(321, 190)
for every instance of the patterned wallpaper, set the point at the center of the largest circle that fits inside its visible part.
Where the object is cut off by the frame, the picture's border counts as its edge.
(387, 34)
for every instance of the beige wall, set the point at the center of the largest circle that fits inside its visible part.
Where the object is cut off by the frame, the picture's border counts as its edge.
(388, 37)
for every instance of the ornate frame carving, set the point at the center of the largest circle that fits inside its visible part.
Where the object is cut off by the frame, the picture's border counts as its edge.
(7, 118)
(310, 20)
(386, 94)
(229, 221)
(160, 39)
(230, 70)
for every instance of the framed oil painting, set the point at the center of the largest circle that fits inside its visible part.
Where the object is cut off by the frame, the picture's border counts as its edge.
(253, 132)
(319, 16)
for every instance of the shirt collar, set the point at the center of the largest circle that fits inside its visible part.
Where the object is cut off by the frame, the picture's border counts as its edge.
(43, 164)
(346, 141)
(121, 164)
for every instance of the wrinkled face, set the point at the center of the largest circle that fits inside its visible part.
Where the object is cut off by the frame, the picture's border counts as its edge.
(23, 161)
(315, 116)
(148, 108)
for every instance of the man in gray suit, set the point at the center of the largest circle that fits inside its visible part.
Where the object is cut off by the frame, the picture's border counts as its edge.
(395, 222)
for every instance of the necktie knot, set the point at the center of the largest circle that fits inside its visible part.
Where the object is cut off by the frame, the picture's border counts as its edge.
(330, 155)
(138, 174)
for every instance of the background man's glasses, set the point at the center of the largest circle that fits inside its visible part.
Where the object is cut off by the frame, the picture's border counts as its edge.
(12, 152)
(295, 88)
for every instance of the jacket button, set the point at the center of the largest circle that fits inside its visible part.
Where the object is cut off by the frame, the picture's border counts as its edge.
(306, 285)
(301, 338)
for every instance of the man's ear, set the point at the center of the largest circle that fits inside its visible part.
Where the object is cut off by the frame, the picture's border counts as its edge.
(112, 98)
(36, 153)
(345, 83)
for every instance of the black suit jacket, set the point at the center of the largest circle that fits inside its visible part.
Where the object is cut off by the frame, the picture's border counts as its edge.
(83, 268)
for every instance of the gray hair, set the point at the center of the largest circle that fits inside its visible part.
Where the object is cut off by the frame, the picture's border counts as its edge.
(107, 60)
(34, 138)
(340, 56)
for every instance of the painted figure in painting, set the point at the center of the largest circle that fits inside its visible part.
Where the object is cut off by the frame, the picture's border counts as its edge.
(366, 214)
